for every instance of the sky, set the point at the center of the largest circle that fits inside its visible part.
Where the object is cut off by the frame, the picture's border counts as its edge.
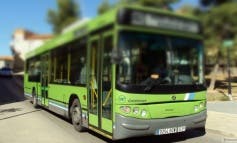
(32, 15)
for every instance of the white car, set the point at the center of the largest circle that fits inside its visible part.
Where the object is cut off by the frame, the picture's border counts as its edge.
(6, 72)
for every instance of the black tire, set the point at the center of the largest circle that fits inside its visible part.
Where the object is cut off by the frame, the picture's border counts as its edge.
(34, 99)
(202, 130)
(76, 115)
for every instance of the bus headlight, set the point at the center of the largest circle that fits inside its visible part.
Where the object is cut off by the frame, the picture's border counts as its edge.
(125, 109)
(201, 105)
(196, 108)
(143, 113)
(136, 110)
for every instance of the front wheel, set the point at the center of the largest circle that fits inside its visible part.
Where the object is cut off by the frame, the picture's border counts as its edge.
(202, 130)
(76, 115)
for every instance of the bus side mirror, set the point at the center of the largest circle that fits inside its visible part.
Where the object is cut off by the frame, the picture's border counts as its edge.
(116, 56)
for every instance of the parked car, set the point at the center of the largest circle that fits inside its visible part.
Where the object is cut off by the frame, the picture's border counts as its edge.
(6, 72)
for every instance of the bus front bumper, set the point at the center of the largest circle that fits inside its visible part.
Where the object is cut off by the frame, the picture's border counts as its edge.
(131, 127)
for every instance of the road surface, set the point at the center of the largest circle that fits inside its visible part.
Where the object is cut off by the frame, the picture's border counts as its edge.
(11, 89)
(225, 107)
(21, 123)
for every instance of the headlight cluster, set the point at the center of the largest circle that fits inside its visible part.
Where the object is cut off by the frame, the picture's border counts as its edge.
(200, 106)
(143, 113)
(135, 111)
(125, 109)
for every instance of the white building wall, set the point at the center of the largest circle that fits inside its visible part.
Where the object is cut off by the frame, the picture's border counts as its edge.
(6, 63)
(33, 44)
(2, 64)
(21, 46)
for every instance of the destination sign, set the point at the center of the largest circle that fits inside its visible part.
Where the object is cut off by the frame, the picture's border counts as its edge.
(147, 19)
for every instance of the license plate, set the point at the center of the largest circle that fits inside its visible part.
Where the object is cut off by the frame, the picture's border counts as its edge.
(170, 130)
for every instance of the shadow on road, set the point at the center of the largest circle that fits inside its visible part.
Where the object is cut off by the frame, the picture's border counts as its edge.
(10, 110)
(165, 138)
(155, 139)
(17, 115)
(147, 139)
(11, 89)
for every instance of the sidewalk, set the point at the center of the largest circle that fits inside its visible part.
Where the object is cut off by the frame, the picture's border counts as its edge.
(222, 118)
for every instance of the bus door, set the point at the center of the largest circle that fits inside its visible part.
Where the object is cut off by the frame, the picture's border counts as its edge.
(93, 81)
(44, 79)
(100, 77)
(106, 83)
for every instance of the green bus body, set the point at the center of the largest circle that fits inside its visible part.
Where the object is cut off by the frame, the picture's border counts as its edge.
(115, 110)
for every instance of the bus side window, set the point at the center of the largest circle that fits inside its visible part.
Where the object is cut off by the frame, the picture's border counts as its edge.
(59, 66)
(34, 69)
(78, 63)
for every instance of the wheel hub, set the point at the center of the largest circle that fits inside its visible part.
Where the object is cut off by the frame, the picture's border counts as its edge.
(76, 115)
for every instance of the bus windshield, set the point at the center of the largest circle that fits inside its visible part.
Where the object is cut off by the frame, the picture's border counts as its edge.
(168, 60)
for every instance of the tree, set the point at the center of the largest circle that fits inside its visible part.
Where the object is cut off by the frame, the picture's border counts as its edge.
(153, 3)
(213, 18)
(189, 10)
(165, 4)
(66, 13)
(214, 21)
(103, 7)
(158, 3)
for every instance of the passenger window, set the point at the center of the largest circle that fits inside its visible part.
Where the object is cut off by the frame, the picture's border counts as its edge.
(78, 63)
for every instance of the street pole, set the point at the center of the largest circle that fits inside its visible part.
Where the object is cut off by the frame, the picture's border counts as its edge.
(227, 36)
(229, 76)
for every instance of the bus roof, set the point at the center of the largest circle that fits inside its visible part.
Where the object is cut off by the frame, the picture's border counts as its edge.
(95, 24)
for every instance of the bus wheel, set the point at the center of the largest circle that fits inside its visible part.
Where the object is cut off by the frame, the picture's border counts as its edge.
(202, 130)
(76, 115)
(34, 99)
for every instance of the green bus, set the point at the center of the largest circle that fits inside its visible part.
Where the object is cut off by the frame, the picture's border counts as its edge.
(133, 71)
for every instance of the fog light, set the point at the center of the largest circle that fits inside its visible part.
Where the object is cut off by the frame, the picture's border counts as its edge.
(135, 110)
(125, 109)
(143, 113)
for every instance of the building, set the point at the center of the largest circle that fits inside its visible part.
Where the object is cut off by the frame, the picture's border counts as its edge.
(6, 61)
(22, 42)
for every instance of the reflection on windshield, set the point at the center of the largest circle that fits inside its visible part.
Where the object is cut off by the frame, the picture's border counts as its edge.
(165, 60)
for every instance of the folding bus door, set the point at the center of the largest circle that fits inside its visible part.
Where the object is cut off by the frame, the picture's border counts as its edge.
(44, 79)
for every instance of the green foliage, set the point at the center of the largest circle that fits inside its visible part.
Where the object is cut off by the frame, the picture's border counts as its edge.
(189, 10)
(215, 21)
(217, 17)
(103, 7)
(65, 14)
(153, 3)
(158, 3)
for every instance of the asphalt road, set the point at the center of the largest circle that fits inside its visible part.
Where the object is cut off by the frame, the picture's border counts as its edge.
(20, 122)
(11, 89)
